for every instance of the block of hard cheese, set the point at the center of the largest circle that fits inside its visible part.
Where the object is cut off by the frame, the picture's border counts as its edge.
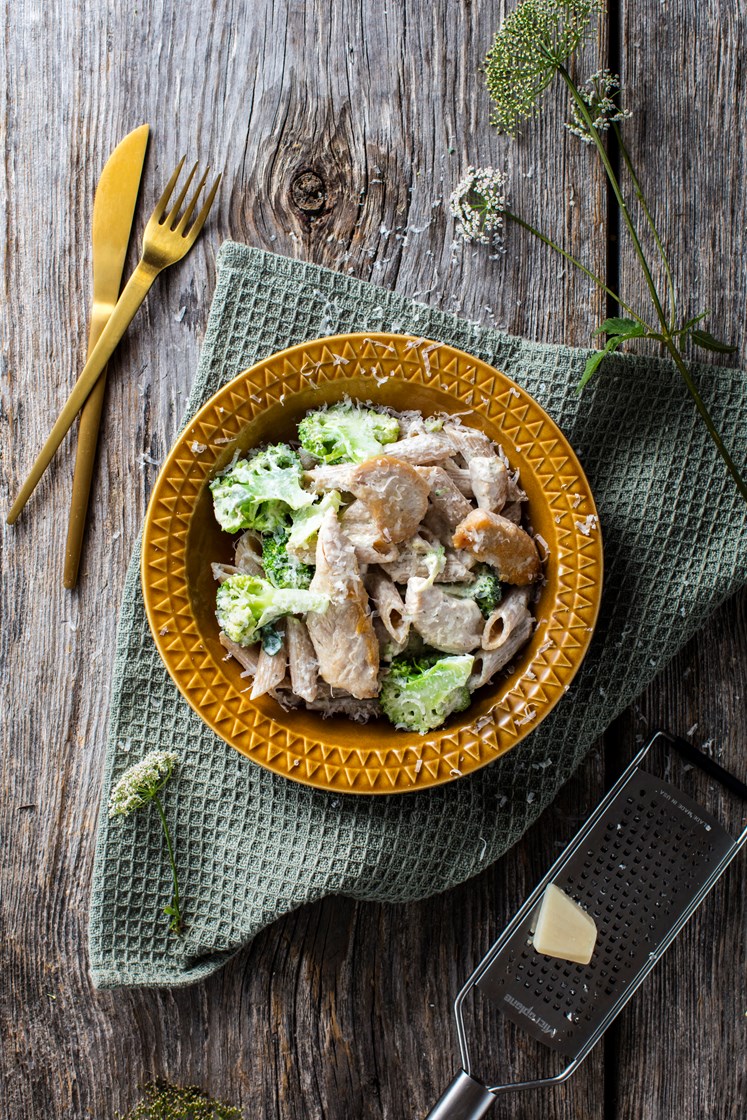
(563, 929)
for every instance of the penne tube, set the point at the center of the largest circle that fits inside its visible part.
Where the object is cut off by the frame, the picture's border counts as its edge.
(489, 661)
(248, 554)
(302, 660)
(509, 613)
(247, 656)
(222, 572)
(390, 606)
(270, 671)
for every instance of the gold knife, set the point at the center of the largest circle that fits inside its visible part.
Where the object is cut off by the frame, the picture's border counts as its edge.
(113, 212)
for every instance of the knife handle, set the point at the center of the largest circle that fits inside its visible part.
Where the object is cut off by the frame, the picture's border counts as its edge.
(134, 293)
(88, 437)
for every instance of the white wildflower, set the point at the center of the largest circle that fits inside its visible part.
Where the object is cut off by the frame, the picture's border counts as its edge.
(142, 782)
(599, 93)
(478, 203)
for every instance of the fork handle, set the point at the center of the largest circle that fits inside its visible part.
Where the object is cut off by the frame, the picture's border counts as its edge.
(134, 293)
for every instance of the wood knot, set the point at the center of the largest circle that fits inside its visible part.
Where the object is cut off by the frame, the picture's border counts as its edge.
(309, 192)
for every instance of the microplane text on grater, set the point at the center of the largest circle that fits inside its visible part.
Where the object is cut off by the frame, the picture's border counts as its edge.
(640, 866)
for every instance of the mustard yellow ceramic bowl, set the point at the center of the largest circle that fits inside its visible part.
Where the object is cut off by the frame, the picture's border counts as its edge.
(182, 538)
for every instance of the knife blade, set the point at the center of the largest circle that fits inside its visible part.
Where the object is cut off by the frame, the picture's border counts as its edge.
(113, 212)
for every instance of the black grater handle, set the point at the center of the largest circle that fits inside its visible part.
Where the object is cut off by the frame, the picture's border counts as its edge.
(708, 765)
(465, 1099)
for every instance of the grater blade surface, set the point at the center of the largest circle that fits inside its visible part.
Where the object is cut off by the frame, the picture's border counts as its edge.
(638, 871)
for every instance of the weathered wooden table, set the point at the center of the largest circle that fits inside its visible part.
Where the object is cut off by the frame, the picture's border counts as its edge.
(342, 1009)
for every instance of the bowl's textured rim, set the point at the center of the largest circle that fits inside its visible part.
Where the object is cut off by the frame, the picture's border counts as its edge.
(533, 442)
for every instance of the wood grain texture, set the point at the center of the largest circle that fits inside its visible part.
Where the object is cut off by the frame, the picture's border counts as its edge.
(679, 1050)
(341, 128)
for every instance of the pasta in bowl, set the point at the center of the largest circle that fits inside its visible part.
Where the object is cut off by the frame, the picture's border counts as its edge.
(382, 569)
(468, 627)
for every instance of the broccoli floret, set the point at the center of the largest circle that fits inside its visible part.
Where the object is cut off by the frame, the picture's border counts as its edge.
(486, 590)
(282, 569)
(259, 493)
(306, 524)
(244, 604)
(346, 433)
(417, 694)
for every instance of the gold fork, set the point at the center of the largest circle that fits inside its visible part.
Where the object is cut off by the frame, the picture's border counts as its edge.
(165, 241)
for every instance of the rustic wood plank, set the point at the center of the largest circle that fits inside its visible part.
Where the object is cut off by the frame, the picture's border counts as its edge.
(679, 1049)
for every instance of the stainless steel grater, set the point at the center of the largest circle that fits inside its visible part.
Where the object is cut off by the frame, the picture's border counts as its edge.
(641, 866)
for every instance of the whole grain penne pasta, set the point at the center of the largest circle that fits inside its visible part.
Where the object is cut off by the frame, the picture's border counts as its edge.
(510, 612)
(302, 660)
(446, 499)
(247, 656)
(389, 604)
(368, 555)
(489, 661)
(248, 554)
(459, 476)
(222, 572)
(270, 671)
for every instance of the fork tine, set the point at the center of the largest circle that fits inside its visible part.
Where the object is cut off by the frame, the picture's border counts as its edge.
(200, 219)
(163, 200)
(170, 221)
(188, 212)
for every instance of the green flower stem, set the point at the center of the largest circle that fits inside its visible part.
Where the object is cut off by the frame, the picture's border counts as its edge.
(708, 421)
(568, 256)
(586, 117)
(176, 920)
(644, 206)
(666, 335)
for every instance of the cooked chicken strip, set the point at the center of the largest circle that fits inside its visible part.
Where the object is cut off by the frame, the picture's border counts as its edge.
(367, 537)
(497, 541)
(489, 479)
(393, 490)
(302, 662)
(395, 494)
(444, 622)
(445, 496)
(343, 637)
(421, 450)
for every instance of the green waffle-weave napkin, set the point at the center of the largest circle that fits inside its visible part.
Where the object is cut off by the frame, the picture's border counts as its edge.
(251, 846)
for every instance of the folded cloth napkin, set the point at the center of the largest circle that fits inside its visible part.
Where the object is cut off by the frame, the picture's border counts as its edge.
(252, 846)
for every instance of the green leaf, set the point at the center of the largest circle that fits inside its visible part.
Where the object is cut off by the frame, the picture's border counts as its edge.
(627, 327)
(596, 360)
(691, 322)
(706, 340)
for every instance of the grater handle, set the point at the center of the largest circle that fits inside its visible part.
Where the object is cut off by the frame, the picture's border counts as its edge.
(465, 1099)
